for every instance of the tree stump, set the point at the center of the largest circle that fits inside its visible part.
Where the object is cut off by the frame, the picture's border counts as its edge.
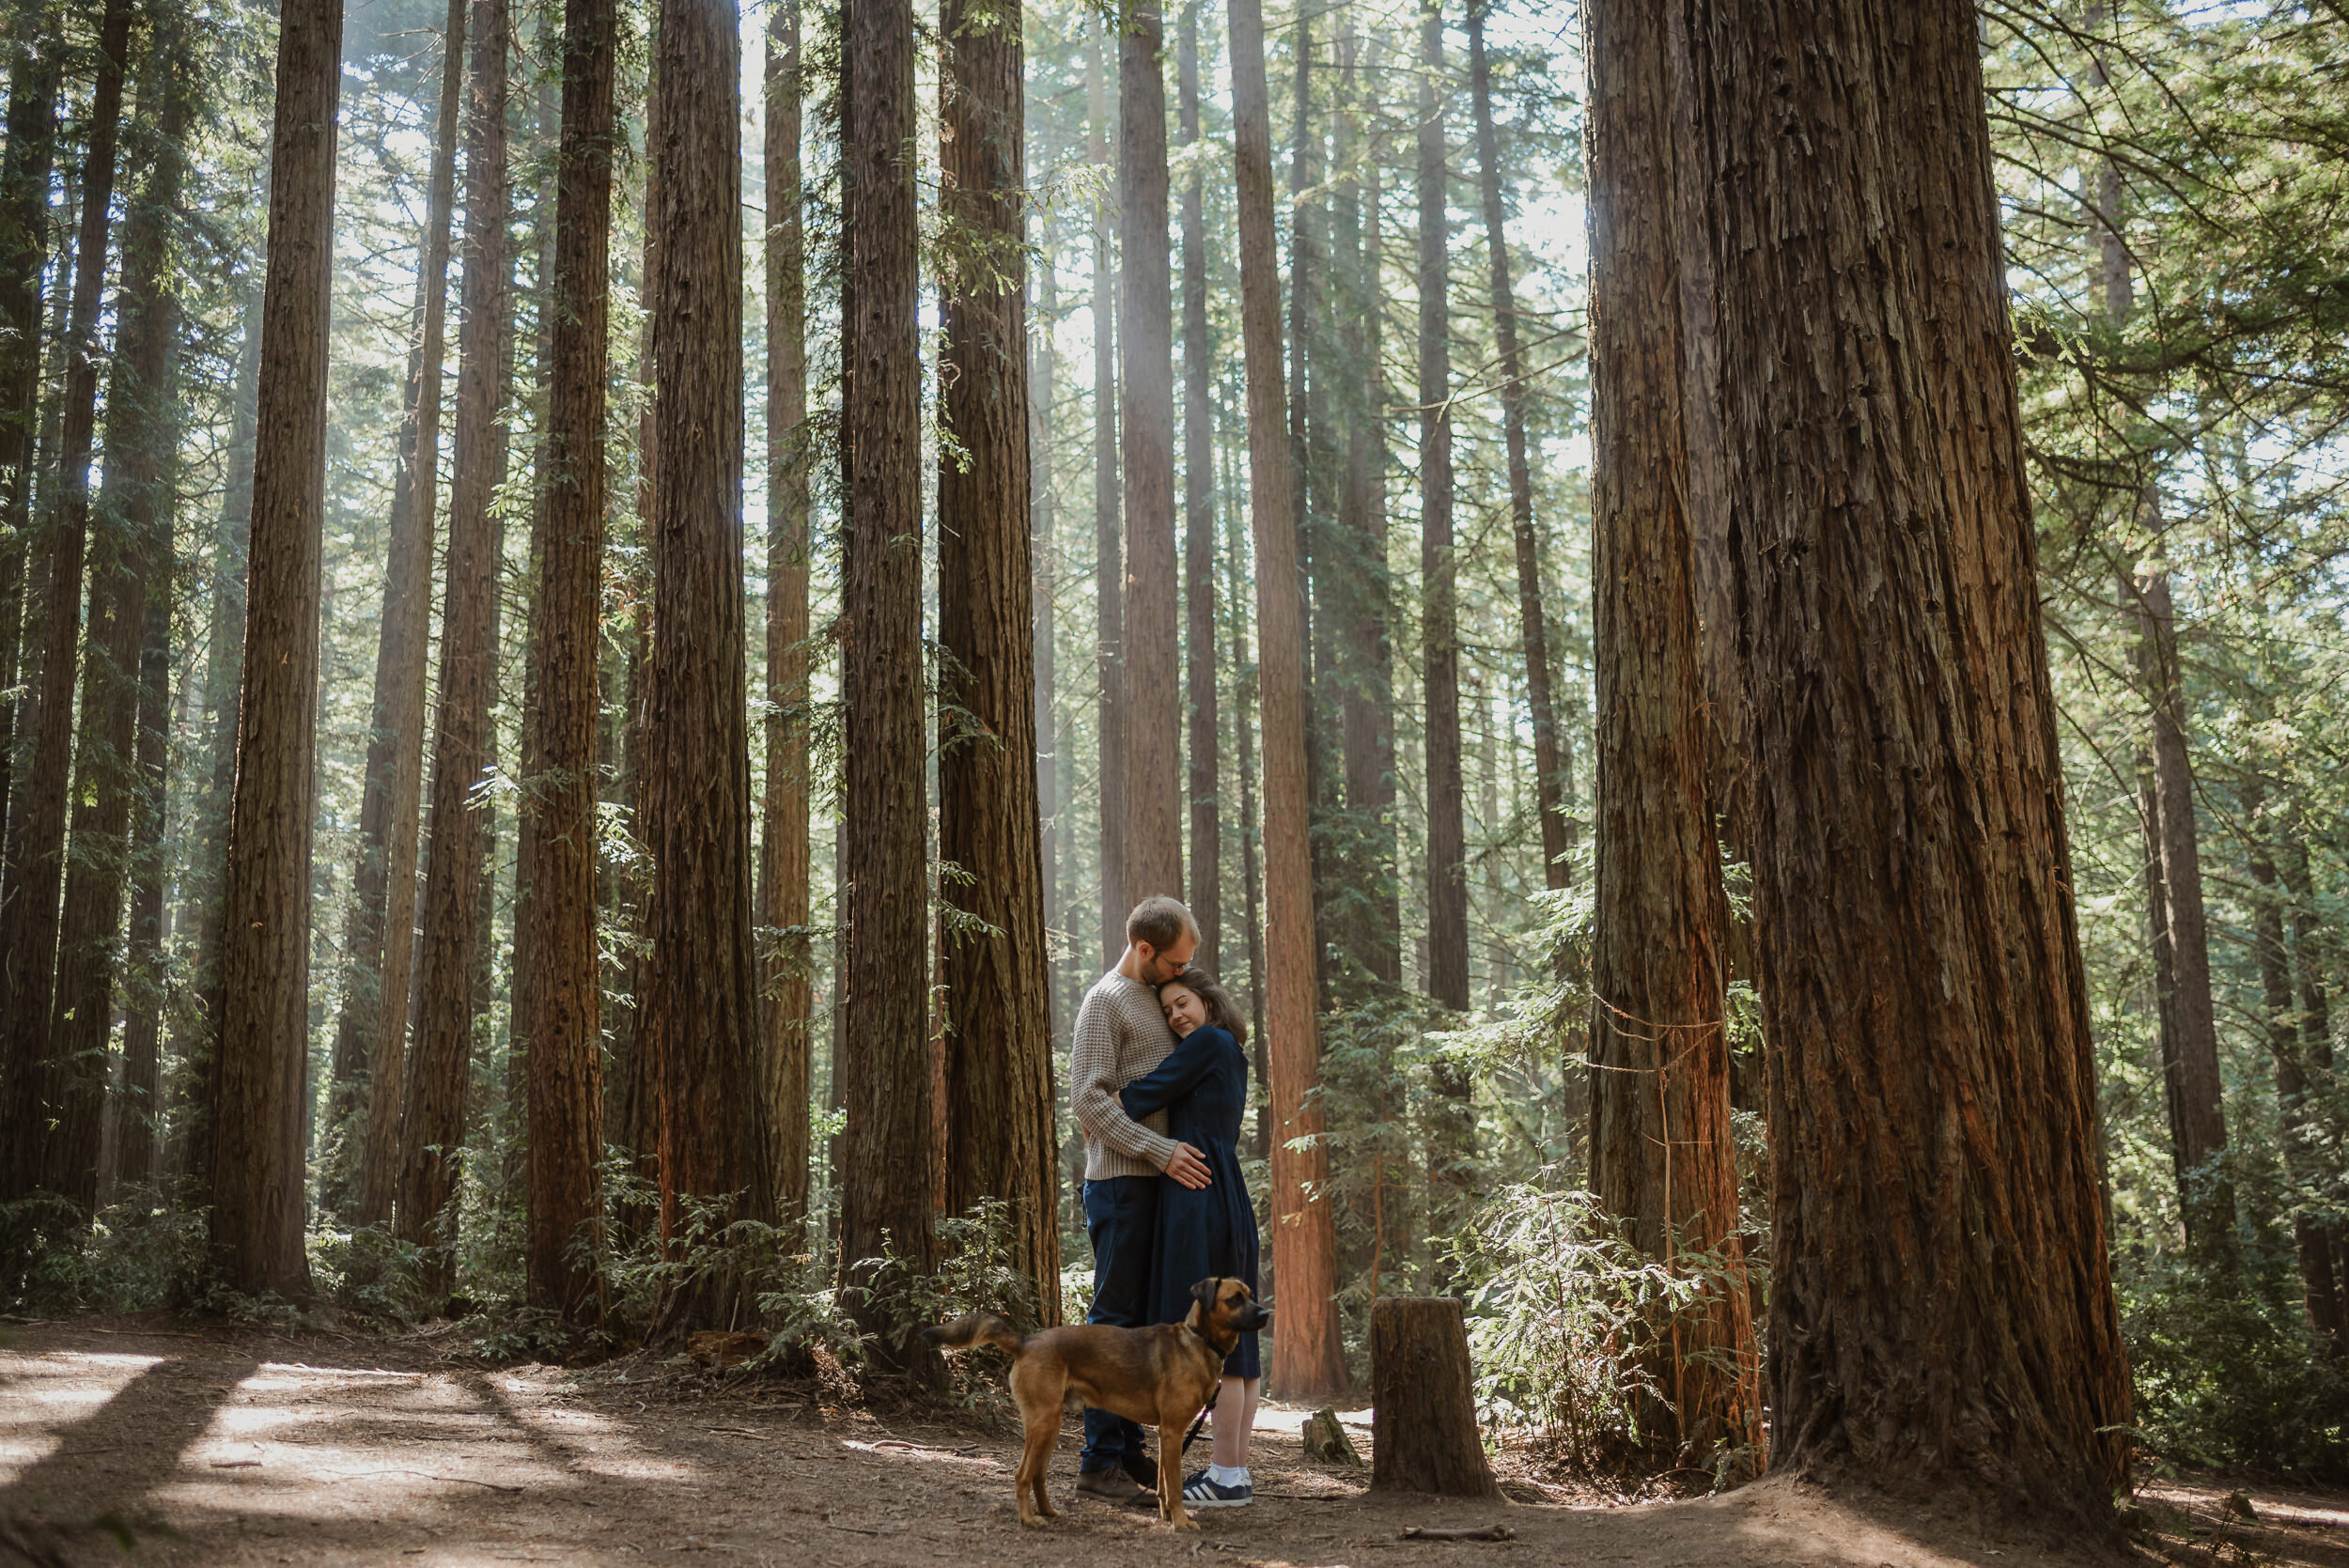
(1422, 1422)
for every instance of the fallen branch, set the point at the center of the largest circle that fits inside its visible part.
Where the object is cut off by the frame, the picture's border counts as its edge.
(1478, 1532)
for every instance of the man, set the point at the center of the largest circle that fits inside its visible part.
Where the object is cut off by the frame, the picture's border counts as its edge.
(1119, 1036)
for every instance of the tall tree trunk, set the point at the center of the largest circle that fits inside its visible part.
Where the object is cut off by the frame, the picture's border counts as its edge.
(1108, 573)
(1911, 871)
(890, 1150)
(566, 978)
(1244, 746)
(1307, 414)
(999, 1135)
(187, 1149)
(37, 831)
(1357, 574)
(139, 1126)
(1199, 638)
(1548, 752)
(24, 171)
(1447, 834)
(1043, 521)
(700, 1021)
(2189, 1024)
(136, 520)
(2281, 1006)
(258, 1117)
(432, 1116)
(1310, 1362)
(788, 975)
(1150, 788)
(1662, 1161)
(371, 1029)
(2311, 950)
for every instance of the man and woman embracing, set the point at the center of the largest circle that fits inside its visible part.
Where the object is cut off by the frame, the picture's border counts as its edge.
(1160, 1080)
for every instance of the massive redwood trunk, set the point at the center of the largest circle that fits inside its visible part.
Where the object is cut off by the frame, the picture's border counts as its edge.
(699, 1028)
(379, 933)
(1549, 753)
(1199, 639)
(786, 975)
(1108, 555)
(565, 1024)
(891, 1153)
(1942, 1310)
(1000, 1138)
(432, 1116)
(41, 1083)
(1661, 1159)
(257, 1111)
(1309, 1358)
(1151, 707)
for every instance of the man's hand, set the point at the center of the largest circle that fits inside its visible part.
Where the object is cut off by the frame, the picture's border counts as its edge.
(1189, 1166)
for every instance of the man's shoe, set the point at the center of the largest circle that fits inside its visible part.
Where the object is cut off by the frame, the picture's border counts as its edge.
(1142, 1468)
(1114, 1488)
(1204, 1491)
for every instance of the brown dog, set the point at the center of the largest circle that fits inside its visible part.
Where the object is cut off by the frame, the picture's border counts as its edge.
(1160, 1376)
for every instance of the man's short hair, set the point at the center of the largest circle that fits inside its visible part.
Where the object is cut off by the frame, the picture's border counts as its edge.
(1160, 922)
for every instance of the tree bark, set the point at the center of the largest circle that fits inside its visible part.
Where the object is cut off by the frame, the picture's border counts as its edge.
(1199, 639)
(700, 1021)
(890, 1152)
(2189, 1023)
(256, 1114)
(787, 975)
(1244, 750)
(134, 517)
(1662, 1161)
(1549, 754)
(1043, 529)
(24, 171)
(37, 830)
(1921, 978)
(1309, 1359)
(371, 1031)
(432, 1116)
(2311, 950)
(1423, 1430)
(565, 976)
(1108, 573)
(1447, 833)
(1150, 788)
(1000, 1135)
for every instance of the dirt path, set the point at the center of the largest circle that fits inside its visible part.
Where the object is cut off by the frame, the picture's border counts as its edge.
(242, 1446)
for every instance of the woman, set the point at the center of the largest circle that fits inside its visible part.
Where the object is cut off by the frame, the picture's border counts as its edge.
(1210, 1232)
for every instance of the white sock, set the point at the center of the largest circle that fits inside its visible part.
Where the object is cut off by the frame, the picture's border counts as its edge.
(1228, 1475)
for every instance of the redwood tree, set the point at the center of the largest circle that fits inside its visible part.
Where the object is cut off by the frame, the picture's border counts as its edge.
(565, 1019)
(785, 990)
(1000, 1135)
(432, 1116)
(257, 1120)
(699, 1024)
(1942, 1301)
(1108, 555)
(1440, 634)
(1662, 1161)
(1199, 638)
(1309, 1363)
(379, 931)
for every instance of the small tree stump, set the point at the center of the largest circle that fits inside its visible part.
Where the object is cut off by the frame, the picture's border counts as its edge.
(1423, 1420)
(1326, 1439)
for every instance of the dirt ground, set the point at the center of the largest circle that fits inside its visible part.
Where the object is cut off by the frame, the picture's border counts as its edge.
(205, 1444)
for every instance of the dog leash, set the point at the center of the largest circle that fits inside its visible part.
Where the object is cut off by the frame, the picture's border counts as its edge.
(1192, 1436)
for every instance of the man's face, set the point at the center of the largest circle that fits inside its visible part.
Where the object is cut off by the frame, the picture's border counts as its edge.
(1158, 966)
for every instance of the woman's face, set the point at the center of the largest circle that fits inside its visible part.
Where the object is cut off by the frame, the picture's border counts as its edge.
(1184, 1011)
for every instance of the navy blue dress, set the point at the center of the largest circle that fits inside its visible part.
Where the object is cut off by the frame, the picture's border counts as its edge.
(1211, 1233)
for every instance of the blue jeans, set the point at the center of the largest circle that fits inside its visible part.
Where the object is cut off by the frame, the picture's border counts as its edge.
(1121, 1221)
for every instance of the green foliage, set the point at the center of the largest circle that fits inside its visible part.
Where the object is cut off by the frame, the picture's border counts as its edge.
(368, 1271)
(139, 1252)
(2227, 1372)
(1564, 1318)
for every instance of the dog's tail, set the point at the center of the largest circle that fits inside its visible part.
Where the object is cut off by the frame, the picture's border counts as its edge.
(974, 1328)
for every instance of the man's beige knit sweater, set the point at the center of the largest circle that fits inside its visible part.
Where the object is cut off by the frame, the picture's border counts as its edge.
(1120, 1035)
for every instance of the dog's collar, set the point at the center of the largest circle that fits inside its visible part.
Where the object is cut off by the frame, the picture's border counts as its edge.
(1204, 1340)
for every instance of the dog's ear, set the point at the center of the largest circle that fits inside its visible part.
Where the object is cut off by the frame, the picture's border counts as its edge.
(1203, 1292)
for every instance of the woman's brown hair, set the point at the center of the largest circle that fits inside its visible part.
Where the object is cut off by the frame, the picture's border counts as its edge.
(1220, 1012)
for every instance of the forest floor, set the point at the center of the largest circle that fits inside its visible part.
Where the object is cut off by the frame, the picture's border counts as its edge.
(204, 1443)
